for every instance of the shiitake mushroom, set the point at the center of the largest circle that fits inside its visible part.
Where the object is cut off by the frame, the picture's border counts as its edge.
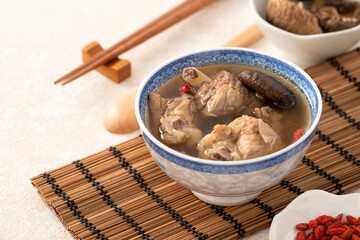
(267, 86)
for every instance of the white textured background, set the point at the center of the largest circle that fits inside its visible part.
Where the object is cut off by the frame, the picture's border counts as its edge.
(43, 126)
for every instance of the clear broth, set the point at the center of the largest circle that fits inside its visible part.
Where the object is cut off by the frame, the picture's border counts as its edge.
(296, 117)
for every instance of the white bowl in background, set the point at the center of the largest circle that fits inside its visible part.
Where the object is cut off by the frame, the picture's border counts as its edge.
(310, 205)
(304, 50)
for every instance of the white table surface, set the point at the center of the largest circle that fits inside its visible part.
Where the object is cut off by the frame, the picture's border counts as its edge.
(44, 126)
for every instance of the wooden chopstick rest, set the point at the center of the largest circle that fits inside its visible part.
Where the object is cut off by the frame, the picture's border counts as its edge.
(117, 69)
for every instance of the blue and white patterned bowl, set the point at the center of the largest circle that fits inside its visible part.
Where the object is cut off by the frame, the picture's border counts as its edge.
(220, 182)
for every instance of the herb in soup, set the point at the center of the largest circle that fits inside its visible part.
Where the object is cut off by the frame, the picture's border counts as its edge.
(227, 112)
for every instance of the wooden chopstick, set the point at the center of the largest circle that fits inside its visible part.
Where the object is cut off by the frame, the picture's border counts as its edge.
(156, 26)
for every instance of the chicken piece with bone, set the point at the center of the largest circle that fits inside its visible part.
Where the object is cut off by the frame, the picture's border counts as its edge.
(223, 96)
(245, 137)
(271, 117)
(177, 116)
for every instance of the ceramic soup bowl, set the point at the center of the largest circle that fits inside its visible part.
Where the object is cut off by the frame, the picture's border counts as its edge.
(228, 183)
(304, 50)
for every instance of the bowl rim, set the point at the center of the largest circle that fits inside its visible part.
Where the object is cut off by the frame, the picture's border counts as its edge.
(262, 21)
(165, 148)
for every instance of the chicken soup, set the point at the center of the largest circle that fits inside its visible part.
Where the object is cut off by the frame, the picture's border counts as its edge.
(227, 112)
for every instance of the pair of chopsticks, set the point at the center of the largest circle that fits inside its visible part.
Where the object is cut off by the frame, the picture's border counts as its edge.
(156, 26)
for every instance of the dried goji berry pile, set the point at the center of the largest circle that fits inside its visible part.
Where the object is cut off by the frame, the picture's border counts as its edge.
(328, 228)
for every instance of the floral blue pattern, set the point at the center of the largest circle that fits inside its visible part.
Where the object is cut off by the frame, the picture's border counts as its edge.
(230, 56)
(226, 169)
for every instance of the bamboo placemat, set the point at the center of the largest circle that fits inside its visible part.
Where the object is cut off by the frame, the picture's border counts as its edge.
(120, 193)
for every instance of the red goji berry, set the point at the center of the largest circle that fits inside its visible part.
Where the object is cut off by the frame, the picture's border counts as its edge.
(345, 227)
(301, 236)
(327, 225)
(298, 134)
(336, 238)
(184, 153)
(335, 231)
(335, 225)
(339, 217)
(311, 236)
(355, 237)
(326, 238)
(352, 220)
(313, 224)
(324, 219)
(185, 87)
(356, 230)
(319, 232)
(302, 227)
(347, 234)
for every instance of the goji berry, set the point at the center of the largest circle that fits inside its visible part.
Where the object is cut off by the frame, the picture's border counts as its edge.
(302, 227)
(313, 224)
(335, 231)
(327, 225)
(184, 153)
(324, 219)
(185, 87)
(345, 227)
(319, 232)
(352, 220)
(339, 217)
(311, 236)
(298, 134)
(326, 238)
(335, 225)
(356, 230)
(336, 238)
(301, 236)
(355, 237)
(347, 234)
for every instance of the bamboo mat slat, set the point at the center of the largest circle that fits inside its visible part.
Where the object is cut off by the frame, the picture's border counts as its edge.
(120, 192)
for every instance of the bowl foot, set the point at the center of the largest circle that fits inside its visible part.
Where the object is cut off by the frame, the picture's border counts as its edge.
(226, 201)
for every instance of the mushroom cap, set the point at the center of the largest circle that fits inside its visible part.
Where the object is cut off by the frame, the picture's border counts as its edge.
(331, 23)
(291, 17)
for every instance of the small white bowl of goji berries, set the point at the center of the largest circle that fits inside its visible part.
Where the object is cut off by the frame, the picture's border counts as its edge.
(319, 215)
